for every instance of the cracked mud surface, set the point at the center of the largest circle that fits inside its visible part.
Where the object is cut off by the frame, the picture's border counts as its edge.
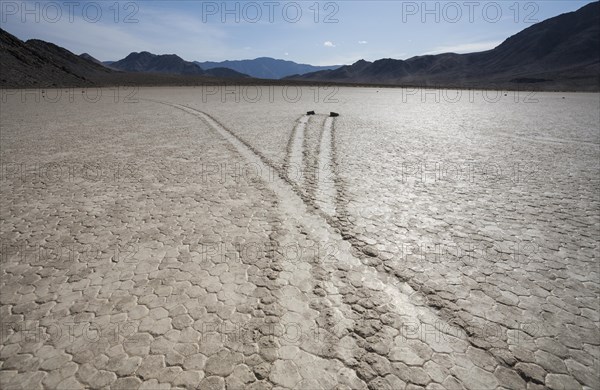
(176, 243)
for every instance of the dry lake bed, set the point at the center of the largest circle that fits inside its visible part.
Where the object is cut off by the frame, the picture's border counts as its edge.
(219, 237)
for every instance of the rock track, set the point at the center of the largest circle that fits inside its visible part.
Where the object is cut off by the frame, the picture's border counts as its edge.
(382, 330)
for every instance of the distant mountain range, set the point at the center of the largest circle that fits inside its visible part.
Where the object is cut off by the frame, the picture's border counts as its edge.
(563, 51)
(37, 63)
(558, 53)
(266, 67)
(167, 64)
(263, 67)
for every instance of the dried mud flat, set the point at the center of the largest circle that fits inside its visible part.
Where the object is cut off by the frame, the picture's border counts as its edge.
(180, 239)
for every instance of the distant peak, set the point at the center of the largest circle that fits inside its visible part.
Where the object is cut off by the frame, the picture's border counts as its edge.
(141, 53)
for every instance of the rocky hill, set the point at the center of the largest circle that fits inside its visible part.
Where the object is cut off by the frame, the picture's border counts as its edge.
(561, 52)
(37, 63)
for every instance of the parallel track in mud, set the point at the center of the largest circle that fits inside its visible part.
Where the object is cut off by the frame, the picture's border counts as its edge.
(286, 188)
(292, 204)
(293, 163)
(326, 193)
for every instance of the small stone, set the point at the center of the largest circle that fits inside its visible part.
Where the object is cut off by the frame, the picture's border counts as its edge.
(370, 251)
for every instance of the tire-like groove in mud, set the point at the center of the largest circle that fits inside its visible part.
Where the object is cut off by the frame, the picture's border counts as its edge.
(326, 193)
(433, 300)
(261, 327)
(310, 150)
(294, 168)
(341, 223)
(268, 345)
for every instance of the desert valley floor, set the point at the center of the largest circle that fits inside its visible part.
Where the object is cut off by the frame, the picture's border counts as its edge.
(211, 238)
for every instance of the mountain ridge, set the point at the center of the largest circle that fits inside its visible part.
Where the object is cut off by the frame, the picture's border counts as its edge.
(265, 67)
(154, 63)
(36, 62)
(147, 62)
(562, 50)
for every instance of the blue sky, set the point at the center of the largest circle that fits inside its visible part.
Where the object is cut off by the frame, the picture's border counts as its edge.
(341, 32)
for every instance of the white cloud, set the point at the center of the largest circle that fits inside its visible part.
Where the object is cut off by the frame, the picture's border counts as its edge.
(362, 42)
(465, 47)
(328, 44)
